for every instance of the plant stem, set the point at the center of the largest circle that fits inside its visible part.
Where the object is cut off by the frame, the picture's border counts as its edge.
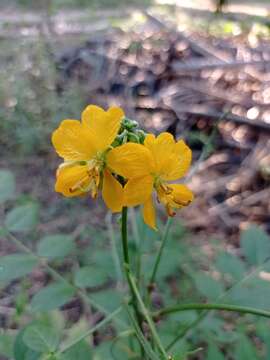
(84, 296)
(206, 308)
(136, 235)
(127, 266)
(141, 338)
(134, 290)
(90, 331)
(160, 252)
(152, 280)
(184, 332)
(124, 237)
(225, 307)
(147, 316)
(115, 255)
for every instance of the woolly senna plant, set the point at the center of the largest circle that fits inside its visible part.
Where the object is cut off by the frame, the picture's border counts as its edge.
(106, 152)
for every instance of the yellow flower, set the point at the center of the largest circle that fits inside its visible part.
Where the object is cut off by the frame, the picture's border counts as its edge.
(84, 146)
(150, 167)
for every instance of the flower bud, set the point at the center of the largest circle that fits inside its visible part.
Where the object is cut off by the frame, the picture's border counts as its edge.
(132, 137)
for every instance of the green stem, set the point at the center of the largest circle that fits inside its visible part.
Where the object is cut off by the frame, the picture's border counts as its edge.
(124, 237)
(203, 314)
(90, 331)
(141, 337)
(84, 296)
(160, 252)
(147, 316)
(224, 307)
(127, 266)
(185, 331)
(136, 235)
(206, 308)
(152, 280)
(134, 290)
(114, 248)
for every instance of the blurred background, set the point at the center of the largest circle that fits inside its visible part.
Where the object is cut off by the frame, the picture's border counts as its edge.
(199, 69)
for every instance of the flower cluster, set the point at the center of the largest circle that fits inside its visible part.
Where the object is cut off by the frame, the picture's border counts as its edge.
(107, 152)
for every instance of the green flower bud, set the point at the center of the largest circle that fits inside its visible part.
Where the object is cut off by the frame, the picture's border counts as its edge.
(141, 134)
(133, 138)
(129, 124)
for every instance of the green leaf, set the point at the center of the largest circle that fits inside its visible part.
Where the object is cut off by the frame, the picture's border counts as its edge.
(262, 327)
(21, 351)
(15, 266)
(254, 292)
(111, 350)
(52, 297)
(41, 338)
(22, 218)
(255, 244)
(211, 324)
(245, 350)
(75, 330)
(6, 345)
(208, 286)
(108, 298)
(55, 246)
(90, 276)
(80, 351)
(213, 353)
(104, 260)
(229, 264)
(7, 185)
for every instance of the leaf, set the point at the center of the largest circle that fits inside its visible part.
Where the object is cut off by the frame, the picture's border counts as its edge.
(41, 338)
(105, 261)
(15, 266)
(75, 331)
(245, 350)
(255, 244)
(211, 324)
(213, 353)
(112, 350)
(80, 351)
(21, 351)
(253, 293)
(22, 218)
(166, 267)
(90, 276)
(110, 299)
(7, 185)
(262, 327)
(55, 246)
(208, 286)
(229, 264)
(52, 297)
(6, 345)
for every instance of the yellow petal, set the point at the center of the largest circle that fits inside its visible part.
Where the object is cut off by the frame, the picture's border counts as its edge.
(185, 156)
(73, 142)
(172, 160)
(161, 148)
(138, 190)
(130, 160)
(72, 180)
(112, 192)
(149, 213)
(182, 195)
(104, 125)
(163, 139)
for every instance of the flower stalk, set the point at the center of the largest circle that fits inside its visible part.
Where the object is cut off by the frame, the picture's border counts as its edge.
(136, 298)
(222, 307)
